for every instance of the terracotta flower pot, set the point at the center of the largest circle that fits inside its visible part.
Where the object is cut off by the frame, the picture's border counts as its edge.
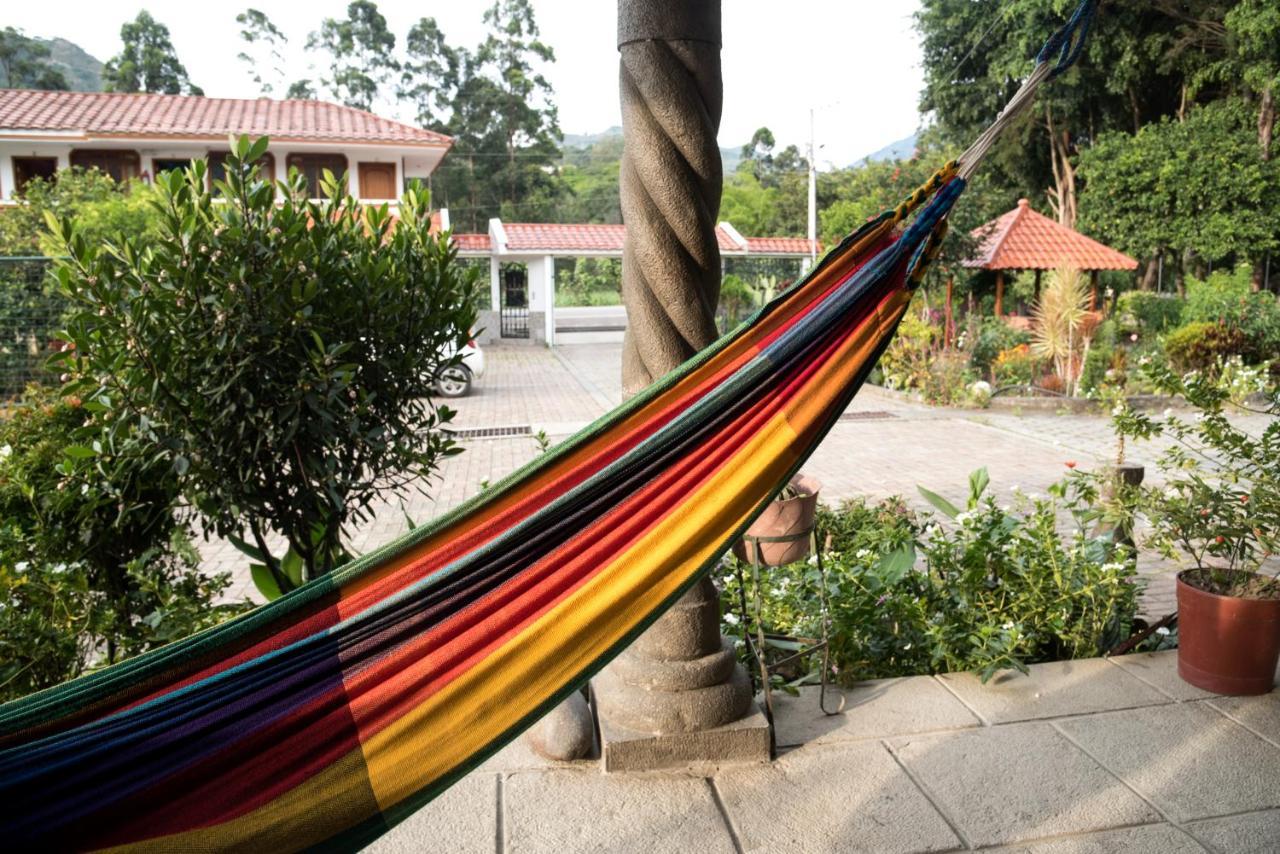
(781, 519)
(1227, 644)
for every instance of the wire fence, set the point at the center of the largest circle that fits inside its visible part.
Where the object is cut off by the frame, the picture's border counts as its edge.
(31, 312)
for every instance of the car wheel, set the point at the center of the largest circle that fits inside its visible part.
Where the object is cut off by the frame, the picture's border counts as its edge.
(454, 381)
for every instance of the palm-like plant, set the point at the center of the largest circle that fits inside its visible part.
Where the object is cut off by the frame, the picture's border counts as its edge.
(1059, 317)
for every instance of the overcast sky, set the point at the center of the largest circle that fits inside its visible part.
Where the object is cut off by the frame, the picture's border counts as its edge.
(856, 61)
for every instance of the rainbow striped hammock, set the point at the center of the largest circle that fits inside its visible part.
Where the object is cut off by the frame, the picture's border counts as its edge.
(327, 716)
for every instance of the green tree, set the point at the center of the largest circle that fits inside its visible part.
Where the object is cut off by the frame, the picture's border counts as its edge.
(1195, 187)
(590, 178)
(263, 52)
(148, 62)
(1136, 68)
(504, 123)
(24, 63)
(429, 74)
(279, 355)
(361, 52)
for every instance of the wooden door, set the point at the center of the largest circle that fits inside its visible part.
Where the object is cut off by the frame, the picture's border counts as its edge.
(378, 181)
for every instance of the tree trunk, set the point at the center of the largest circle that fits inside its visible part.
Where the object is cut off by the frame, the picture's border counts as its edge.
(1266, 128)
(1150, 272)
(1062, 197)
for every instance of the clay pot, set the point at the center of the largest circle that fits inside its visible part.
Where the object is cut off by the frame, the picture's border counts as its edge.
(1226, 644)
(781, 519)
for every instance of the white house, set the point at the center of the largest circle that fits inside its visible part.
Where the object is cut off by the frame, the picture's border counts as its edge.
(522, 298)
(137, 136)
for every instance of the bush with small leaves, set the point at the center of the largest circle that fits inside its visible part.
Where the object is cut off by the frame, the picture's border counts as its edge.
(277, 353)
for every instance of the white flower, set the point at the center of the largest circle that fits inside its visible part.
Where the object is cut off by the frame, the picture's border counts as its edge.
(1163, 630)
(1168, 413)
(1015, 489)
(6, 451)
(731, 618)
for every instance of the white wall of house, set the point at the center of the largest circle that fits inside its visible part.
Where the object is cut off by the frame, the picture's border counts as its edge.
(408, 162)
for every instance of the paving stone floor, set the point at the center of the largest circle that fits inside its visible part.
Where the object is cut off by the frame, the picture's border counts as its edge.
(887, 446)
(1086, 756)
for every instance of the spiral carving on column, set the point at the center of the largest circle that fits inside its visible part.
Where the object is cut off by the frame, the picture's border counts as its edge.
(671, 179)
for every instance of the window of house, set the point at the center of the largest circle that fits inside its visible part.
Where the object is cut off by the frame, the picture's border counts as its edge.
(377, 180)
(120, 164)
(312, 167)
(27, 169)
(218, 166)
(168, 164)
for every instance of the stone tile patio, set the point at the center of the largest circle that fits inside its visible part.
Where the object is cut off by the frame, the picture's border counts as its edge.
(1086, 756)
(887, 447)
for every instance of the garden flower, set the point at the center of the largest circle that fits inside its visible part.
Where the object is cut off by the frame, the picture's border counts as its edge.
(1070, 464)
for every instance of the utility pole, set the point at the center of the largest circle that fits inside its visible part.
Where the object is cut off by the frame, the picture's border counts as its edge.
(813, 194)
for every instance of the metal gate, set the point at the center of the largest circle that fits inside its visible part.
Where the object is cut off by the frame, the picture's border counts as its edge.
(515, 303)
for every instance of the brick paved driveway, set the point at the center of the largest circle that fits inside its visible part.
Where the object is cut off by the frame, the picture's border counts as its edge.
(884, 446)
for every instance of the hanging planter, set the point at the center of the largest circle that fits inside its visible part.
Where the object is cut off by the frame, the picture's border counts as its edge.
(782, 533)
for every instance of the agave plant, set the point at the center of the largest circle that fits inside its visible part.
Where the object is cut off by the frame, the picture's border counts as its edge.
(1058, 322)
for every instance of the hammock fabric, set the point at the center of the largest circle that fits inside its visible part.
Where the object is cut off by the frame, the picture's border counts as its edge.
(325, 717)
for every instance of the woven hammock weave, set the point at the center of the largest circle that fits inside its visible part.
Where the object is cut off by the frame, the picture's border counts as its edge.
(323, 718)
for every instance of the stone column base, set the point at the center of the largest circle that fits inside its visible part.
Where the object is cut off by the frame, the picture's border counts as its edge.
(742, 741)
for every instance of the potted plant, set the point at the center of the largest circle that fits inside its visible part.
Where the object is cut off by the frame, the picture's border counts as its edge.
(1219, 505)
(782, 532)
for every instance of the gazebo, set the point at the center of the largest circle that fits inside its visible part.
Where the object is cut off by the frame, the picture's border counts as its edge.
(1023, 239)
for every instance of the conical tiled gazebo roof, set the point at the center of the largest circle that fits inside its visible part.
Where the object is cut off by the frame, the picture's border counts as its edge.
(1023, 239)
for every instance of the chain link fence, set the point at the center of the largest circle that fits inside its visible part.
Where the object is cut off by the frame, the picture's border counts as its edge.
(31, 312)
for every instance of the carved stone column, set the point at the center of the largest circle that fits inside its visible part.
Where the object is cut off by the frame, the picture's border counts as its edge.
(677, 697)
(671, 180)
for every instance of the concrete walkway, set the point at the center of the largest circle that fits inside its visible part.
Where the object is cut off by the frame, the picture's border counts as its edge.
(1085, 756)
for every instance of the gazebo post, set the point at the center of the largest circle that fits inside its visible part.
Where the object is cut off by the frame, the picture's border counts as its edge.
(1093, 291)
(999, 293)
(948, 328)
(1038, 274)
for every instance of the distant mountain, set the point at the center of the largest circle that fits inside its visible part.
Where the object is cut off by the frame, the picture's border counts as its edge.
(82, 71)
(730, 156)
(586, 140)
(900, 150)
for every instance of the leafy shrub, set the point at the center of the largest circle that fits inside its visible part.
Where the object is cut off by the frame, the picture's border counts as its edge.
(588, 281)
(279, 356)
(1016, 366)
(947, 380)
(102, 208)
(992, 338)
(988, 589)
(1149, 313)
(1102, 363)
(906, 362)
(31, 314)
(1219, 503)
(1227, 298)
(736, 301)
(94, 567)
(1200, 346)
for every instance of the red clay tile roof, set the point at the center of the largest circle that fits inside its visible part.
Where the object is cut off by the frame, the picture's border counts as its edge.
(471, 242)
(779, 245)
(522, 236)
(118, 114)
(1023, 239)
(565, 237)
